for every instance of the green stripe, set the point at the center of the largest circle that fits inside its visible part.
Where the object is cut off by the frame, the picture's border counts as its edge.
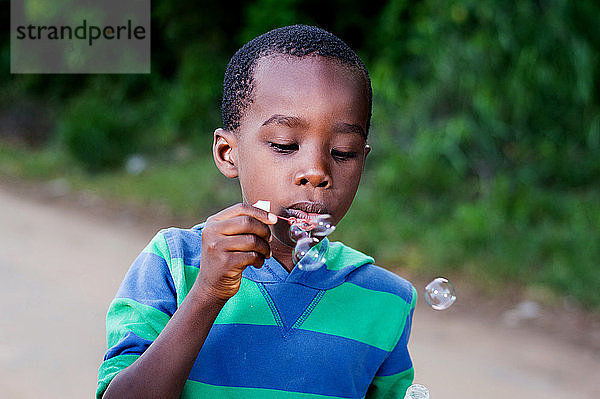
(194, 389)
(248, 306)
(191, 274)
(380, 315)
(183, 278)
(339, 256)
(413, 303)
(158, 246)
(126, 315)
(392, 386)
(110, 368)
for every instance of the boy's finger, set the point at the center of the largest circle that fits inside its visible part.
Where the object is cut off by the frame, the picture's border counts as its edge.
(247, 243)
(244, 259)
(248, 210)
(244, 224)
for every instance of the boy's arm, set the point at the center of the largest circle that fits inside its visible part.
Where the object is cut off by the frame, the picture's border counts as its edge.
(161, 371)
(231, 240)
(396, 373)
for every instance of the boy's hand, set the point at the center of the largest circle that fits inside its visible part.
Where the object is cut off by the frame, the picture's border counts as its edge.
(232, 239)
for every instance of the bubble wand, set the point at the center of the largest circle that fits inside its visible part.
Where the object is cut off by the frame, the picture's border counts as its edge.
(306, 233)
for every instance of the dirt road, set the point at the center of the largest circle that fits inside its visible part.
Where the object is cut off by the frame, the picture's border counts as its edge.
(61, 266)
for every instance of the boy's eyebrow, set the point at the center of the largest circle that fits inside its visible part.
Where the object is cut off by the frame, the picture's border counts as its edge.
(289, 121)
(294, 121)
(343, 127)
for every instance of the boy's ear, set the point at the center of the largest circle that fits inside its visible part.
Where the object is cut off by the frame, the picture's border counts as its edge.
(367, 150)
(225, 152)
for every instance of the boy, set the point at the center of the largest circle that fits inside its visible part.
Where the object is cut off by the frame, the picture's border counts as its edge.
(219, 310)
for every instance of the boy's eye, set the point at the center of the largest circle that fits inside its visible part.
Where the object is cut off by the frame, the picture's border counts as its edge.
(343, 155)
(284, 148)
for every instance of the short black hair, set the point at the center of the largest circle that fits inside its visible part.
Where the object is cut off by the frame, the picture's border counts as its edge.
(294, 40)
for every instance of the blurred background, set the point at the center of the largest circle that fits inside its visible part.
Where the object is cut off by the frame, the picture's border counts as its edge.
(485, 133)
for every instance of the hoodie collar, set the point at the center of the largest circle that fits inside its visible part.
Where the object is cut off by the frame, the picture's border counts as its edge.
(340, 260)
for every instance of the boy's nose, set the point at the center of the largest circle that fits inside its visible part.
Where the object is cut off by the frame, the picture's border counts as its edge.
(316, 176)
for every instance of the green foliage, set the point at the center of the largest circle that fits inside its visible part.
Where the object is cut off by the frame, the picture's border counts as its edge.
(486, 124)
(492, 87)
(190, 108)
(99, 130)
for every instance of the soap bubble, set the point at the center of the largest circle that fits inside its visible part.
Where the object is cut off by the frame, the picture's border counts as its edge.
(440, 294)
(309, 254)
(303, 245)
(297, 233)
(308, 233)
(417, 391)
(323, 226)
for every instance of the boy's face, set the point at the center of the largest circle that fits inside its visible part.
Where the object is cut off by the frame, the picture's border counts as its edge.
(301, 142)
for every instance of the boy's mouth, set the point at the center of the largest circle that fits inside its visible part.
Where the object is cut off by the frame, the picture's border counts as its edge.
(306, 209)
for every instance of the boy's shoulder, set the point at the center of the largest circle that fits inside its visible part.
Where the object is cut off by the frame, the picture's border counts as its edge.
(360, 270)
(181, 243)
(376, 278)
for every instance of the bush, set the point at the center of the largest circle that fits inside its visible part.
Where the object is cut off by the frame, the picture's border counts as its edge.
(98, 132)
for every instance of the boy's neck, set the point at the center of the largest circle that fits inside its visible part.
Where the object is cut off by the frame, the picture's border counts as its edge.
(282, 253)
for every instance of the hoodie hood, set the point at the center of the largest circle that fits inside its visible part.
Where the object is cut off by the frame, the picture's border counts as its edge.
(340, 261)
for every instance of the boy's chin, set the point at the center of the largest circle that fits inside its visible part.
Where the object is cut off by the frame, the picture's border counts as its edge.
(281, 232)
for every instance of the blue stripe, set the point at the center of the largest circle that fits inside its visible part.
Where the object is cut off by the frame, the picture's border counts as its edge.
(399, 359)
(185, 244)
(149, 282)
(131, 344)
(378, 279)
(258, 356)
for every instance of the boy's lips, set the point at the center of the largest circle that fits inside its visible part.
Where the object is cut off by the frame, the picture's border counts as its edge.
(306, 209)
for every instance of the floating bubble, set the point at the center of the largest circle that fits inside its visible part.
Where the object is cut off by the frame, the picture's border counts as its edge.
(417, 391)
(323, 226)
(303, 245)
(440, 294)
(297, 233)
(313, 258)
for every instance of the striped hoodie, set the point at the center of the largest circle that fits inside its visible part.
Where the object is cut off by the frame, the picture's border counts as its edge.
(338, 332)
